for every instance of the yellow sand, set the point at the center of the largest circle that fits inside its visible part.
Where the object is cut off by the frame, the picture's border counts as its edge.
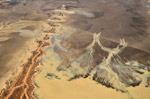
(4, 38)
(17, 26)
(76, 89)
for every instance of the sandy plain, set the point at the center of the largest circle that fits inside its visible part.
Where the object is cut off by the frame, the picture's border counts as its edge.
(23, 23)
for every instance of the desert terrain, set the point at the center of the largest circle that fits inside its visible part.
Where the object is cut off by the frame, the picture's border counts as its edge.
(79, 49)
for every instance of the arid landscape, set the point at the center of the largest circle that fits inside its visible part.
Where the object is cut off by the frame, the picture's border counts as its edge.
(74, 49)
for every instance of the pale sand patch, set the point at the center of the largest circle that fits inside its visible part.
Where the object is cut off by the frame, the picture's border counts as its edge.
(2, 11)
(140, 92)
(15, 27)
(148, 12)
(57, 21)
(84, 13)
(27, 33)
(46, 26)
(77, 89)
(4, 38)
(1, 25)
(64, 11)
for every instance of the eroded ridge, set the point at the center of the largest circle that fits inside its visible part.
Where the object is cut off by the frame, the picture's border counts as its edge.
(23, 86)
